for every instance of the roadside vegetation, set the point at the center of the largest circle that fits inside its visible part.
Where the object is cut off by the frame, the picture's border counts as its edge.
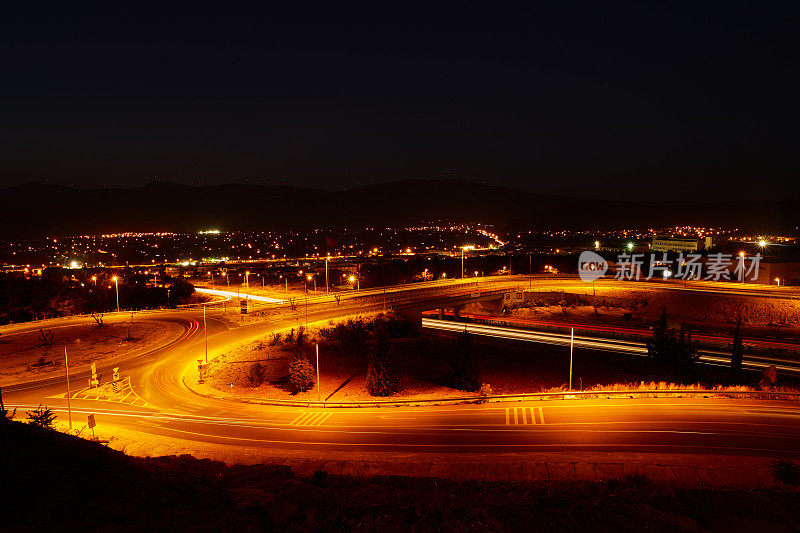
(62, 292)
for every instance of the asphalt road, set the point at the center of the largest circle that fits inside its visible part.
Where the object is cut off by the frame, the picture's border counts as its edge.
(156, 402)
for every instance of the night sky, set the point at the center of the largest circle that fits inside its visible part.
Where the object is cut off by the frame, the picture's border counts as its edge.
(675, 100)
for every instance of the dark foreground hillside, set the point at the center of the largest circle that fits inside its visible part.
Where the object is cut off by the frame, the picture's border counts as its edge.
(57, 482)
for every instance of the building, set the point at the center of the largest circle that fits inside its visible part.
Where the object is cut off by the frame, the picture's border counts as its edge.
(666, 243)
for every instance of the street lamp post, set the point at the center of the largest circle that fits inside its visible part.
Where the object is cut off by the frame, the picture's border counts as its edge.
(69, 404)
(530, 271)
(319, 385)
(247, 279)
(571, 345)
(116, 283)
(205, 331)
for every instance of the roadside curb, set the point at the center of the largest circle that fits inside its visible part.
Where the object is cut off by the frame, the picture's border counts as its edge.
(609, 395)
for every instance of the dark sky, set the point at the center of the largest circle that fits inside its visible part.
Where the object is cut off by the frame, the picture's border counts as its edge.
(669, 100)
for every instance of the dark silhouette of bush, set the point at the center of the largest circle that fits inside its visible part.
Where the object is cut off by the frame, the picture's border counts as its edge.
(301, 374)
(464, 374)
(673, 352)
(383, 378)
(42, 417)
(785, 472)
(257, 374)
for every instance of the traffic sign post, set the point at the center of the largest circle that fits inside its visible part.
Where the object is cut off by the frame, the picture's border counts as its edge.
(115, 378)
(92, 424)
(94, 382)
(200, 371)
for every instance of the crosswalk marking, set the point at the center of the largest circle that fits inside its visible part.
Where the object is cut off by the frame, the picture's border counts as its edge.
(311, 419)
(518, 416)
(125, 394)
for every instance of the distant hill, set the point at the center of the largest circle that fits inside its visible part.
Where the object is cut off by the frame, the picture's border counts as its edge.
(34, 210)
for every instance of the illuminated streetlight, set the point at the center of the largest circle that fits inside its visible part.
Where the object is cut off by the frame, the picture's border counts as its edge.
(116, 283)
(741, 264)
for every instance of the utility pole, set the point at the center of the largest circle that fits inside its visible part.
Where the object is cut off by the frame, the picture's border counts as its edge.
(205, 331)
(462, 262)
(571, 345)
(530, 271)
(69, 404)
(319, 385)
(116, 283)
(327, 288)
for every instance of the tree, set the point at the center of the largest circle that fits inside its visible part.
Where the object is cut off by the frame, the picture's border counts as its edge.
(301, 374)
(464, 373)
(674, 352)
(736, 353)
(383, 378)
(42, 417)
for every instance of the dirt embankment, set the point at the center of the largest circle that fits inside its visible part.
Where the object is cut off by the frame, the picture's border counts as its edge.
(647, 305)
(34, 354)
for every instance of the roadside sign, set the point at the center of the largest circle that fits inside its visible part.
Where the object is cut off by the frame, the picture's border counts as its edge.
(243, 304)
(94, 382)
(92, 423)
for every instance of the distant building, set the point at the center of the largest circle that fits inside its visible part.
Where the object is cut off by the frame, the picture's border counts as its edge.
(666, 243)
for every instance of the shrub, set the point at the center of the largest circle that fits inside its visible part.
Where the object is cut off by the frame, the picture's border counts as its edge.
(484, 391)
(383, 378)
(289, 339)
(301, 374)
(257, 374)
(674, 352)
(275, 339)
(42, 417)
(463, 369)
(785, 472)
(302, 336)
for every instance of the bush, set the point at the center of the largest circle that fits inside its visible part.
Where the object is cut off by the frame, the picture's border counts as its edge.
(275, 339)
(257, 374)
(302, 375)
(674, 352)
(484, 391)
(289, 339)
(383, 378)
(463, 369)
(302, 336)
(42, 417)
(786, 473)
